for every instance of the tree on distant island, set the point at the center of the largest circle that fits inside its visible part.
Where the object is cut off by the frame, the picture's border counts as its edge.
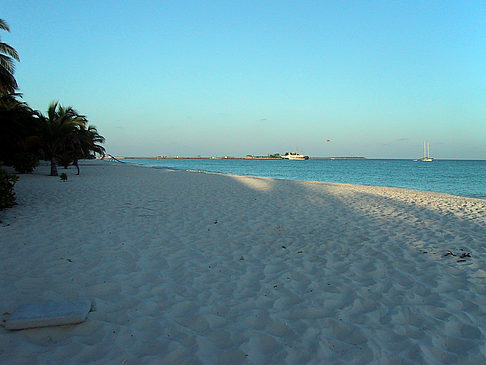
(8, 54)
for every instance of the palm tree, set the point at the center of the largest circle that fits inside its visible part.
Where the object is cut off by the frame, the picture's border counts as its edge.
(93, 140)
(58, 127)
(8, 54)
(83, 143)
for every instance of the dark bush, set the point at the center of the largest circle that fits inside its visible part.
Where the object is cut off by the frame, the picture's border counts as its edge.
(64, 160)
(25, 162)
(7, 194)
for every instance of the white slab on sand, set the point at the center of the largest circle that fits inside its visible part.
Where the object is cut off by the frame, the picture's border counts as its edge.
(46, 314)
(331, 273)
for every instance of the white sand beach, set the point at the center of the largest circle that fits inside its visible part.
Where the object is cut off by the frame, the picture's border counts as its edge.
(199, 268)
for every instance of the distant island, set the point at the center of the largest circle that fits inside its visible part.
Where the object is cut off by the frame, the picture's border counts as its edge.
(340, 158)
(275, 156)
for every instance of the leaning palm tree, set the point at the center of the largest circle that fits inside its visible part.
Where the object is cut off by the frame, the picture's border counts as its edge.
(83, 143)
(57, 128)
(8, 54)
(93, 141)
(88, 144)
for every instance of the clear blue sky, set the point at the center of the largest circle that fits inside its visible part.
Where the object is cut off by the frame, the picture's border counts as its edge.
(377, 78)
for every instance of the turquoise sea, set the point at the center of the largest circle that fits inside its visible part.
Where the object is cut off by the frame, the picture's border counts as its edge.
(457, 177)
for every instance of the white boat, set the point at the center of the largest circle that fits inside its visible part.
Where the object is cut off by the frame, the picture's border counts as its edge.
(294, 156)
(426, 157)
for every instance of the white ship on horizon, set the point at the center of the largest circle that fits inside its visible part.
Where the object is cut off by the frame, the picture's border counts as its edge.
(294, 156)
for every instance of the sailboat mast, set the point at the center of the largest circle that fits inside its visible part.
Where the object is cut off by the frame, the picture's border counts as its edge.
(425, 151)
(428, 149)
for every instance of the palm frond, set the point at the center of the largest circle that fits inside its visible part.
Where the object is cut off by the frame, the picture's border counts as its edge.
(10, 103)
(4, 25)
(51, 111)
(8, 54)
(9, 50)
(7, 63)
(8, 84)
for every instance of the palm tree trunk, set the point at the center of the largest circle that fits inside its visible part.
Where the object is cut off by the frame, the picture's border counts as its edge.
(75, 163)
(53, 167)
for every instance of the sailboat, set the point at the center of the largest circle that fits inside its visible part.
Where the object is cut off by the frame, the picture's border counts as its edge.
(426, 157)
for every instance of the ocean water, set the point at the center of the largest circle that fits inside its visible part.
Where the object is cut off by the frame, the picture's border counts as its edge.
(456, 177)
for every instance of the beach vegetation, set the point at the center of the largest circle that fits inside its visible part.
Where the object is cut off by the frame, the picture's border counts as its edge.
(57, 129)
(25, 162)
(7, 193)
(83, 143)
(8, 55)
(62, 136)
(19, 124)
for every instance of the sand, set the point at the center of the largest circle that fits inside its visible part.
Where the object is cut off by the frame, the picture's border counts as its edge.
(190, 268)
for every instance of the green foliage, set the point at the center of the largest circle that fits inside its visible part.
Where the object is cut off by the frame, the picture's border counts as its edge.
(64, 159)
(57, 128)
(25, 162)
(61, 136)
(8, 54)
(19, 126)
(7, 194)
(63, 177)
(83, 143)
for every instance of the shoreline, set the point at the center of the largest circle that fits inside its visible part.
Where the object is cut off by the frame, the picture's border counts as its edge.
(275, 158)
(259, 158)
(303, 181)
(215, 268)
